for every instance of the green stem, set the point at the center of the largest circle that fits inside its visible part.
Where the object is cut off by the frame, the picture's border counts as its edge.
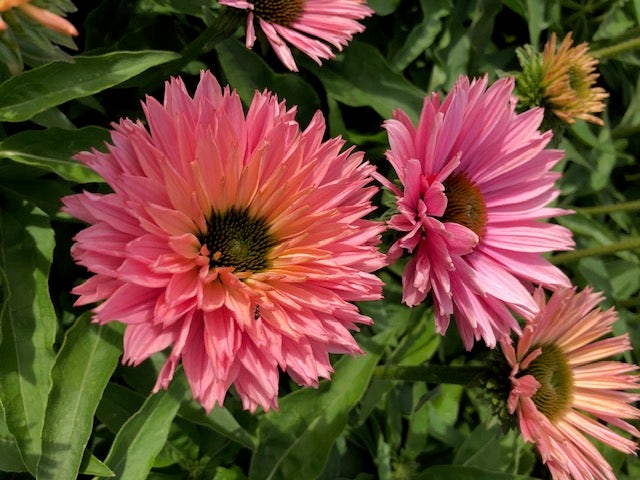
(628, 244)
(606, 209)
(224, 26)
(624, 132)
(628, 303)
(461, 375)
(617, 48)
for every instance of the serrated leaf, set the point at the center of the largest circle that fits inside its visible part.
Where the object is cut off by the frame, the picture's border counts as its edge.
(52, 149)
(24, 95)
(28, 323)
(87, 359)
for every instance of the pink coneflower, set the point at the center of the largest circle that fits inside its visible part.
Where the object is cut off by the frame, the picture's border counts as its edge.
(562, 387)
(40, 15)
(476, 180)
(309, 25)
(237, 240)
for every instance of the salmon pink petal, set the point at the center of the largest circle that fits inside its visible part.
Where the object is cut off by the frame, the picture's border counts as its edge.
(236, 240)
(574, 401)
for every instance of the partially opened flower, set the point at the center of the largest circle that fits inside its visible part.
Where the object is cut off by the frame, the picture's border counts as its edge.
(562, 80)
(563, 389)
(312, 26)
(475, 182)
(239, 241)
(40, 15)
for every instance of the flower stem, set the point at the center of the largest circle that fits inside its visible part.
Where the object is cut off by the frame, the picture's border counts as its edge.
(616, 207)
(457, 375)
(623, 132)
(224, 26)
(628, 244)
(628, 303)
(617, 48)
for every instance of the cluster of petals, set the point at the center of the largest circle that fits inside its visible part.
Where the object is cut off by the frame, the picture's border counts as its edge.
(475, 134)
(40, 15)
(572, 323)
(152, 271)
(569, 81)
(320, 24)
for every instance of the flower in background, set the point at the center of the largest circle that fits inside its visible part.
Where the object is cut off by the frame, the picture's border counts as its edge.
(309, 25)
(475, 181)
(563, 388)
(237, 240)
(562, 80)
(40, 15)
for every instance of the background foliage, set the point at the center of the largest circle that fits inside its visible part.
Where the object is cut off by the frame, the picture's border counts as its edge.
(67, 405)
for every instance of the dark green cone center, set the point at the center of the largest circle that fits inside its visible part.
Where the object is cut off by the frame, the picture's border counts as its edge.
(236, 239)
(280, 12)
(556, 381)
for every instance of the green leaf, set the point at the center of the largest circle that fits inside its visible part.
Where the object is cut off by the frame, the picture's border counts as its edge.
(118, 403)
(9, 451)
(443, 412)
(24, 95)
(458, 472)
(220, 420)
(422, 35)
(296, 441)
(92, 466)
(535, 20)
(88, 357)
(247, 72)
(383, 7)
(28, 323)
(144, 434)
(52, 149)
(348, 79)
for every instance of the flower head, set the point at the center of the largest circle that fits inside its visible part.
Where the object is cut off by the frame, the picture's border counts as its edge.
(562, 80)
(237, 240)
(40, 15)
(309, 25)
(563, 388)
(476, 180)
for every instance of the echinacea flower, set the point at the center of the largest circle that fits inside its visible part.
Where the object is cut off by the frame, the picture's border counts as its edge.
(563, 389)
(237, 240)
(311, 26)
(40, 15)
(475, 181)
(562, 80)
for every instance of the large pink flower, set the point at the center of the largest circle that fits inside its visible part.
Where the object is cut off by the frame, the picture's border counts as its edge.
(237, 240)
(309, 25)
(476, 179)
(562, 387)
